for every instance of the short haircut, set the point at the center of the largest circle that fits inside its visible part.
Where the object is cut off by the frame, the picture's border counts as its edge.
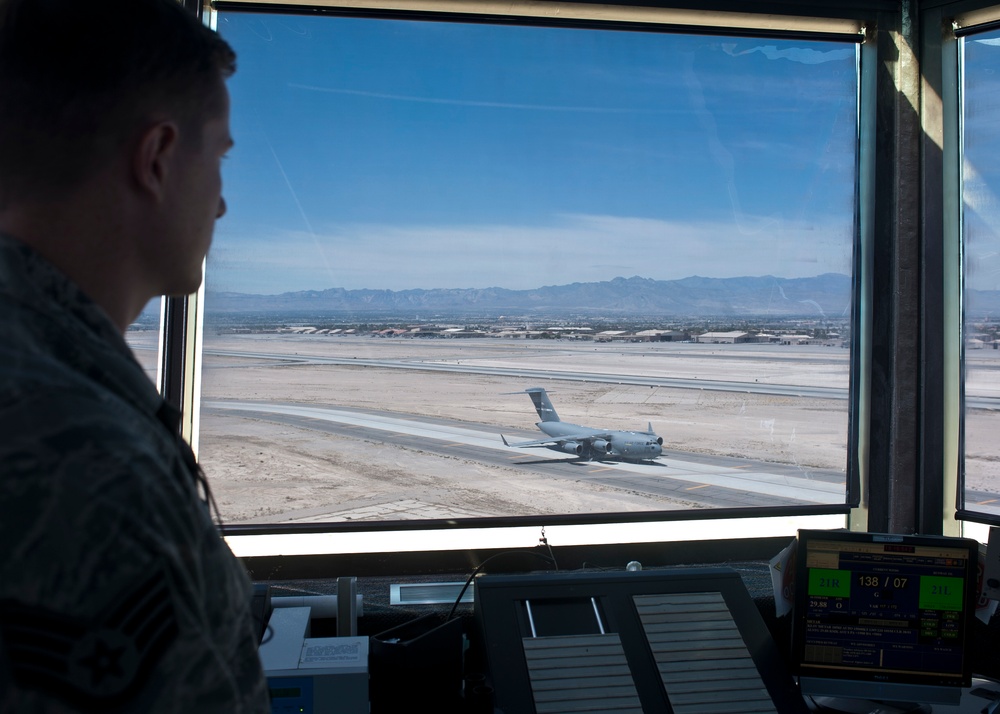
(78, 79)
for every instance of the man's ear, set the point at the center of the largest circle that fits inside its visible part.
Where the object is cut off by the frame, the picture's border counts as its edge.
(153, 157)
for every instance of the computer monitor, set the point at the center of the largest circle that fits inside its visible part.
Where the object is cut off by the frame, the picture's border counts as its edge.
(883, 617)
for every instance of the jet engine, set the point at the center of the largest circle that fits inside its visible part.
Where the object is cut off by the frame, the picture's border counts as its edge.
(572, 447)
(601, 446)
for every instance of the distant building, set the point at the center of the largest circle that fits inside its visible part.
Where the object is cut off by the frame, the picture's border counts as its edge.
(723, 338)
(662, 336)
(796, 340)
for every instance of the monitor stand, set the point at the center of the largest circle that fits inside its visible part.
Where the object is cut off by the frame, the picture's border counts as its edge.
(844, 705)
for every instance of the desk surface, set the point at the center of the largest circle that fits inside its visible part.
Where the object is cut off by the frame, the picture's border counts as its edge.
(380, 615)
(975, 700)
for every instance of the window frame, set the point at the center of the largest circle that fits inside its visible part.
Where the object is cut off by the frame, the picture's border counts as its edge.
(868, 404)
(958, 20)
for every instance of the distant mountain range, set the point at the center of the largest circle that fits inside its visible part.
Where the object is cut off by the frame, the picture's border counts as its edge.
(827, 295)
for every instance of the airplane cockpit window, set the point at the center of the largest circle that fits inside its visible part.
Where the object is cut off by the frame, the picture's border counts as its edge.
(475, 270)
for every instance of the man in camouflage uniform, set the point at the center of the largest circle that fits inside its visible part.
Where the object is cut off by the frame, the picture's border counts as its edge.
(116, 591)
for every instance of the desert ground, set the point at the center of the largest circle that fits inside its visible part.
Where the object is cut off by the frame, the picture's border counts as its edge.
(264, 471)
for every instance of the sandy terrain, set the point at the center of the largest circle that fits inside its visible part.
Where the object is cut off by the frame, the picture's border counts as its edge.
(262, 471)
(243, 454)
(304, 475)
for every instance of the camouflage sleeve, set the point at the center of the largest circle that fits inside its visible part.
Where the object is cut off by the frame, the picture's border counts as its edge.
(116, 592)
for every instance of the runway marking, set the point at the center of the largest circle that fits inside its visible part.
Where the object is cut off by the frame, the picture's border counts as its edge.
(695, 488)
(797, 486)
(986, 502)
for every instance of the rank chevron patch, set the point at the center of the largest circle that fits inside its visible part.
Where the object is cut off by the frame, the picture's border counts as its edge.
(94, 664)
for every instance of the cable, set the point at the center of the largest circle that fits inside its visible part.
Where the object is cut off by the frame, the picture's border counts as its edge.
(479, 567)
(545, 541)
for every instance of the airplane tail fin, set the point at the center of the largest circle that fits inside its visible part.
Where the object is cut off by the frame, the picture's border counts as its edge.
(546, 412)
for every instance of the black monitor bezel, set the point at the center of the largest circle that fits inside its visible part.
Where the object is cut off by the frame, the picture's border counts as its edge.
(873, 684)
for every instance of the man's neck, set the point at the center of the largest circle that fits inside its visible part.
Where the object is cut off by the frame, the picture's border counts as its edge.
(85, 243)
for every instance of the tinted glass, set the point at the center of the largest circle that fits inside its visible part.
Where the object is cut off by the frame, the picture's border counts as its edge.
(428, 218)
(981, 218)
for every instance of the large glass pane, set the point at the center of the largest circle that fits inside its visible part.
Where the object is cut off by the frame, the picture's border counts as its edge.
(981, 209)
(427, 219)
(143, 336)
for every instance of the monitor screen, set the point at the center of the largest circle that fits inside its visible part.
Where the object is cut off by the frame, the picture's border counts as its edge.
(883, 617)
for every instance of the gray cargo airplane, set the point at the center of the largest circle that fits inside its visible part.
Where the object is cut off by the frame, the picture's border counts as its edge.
(585, 442)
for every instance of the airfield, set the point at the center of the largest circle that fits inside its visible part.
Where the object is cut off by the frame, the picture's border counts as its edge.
(315, 428)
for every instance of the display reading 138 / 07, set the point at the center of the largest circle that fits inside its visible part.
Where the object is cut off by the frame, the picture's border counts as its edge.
(910, 610)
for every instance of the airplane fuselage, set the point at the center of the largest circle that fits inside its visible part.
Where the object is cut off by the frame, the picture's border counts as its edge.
(627, 445)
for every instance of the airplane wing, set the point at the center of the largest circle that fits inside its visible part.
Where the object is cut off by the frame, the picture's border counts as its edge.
(586, 437)
(525, 444)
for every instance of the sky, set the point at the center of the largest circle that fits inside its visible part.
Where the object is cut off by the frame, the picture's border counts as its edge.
(981, 170)
(389, 154)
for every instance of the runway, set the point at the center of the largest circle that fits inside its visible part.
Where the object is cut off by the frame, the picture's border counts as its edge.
(546, 374)
(972, 400)
(709, 481)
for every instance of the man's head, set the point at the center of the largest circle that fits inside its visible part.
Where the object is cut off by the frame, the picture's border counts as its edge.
(114, 118)
(78, 79)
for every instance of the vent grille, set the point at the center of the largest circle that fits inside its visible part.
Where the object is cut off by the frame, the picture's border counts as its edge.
(703, 661)
(428, 593)
(580, 673)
